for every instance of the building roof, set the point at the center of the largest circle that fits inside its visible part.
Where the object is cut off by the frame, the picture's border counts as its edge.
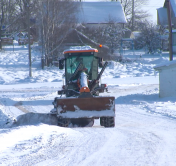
(165, 65)
(101, 12)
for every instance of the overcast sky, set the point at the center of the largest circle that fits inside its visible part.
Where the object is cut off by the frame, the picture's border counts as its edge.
(150, 7)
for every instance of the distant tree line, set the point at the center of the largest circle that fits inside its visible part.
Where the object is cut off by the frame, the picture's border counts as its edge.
(51, 20)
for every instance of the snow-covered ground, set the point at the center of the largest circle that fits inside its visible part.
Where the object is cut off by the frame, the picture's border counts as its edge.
(144, 134)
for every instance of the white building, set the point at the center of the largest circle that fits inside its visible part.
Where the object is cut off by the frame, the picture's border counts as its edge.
(167, 79)
(163, 19)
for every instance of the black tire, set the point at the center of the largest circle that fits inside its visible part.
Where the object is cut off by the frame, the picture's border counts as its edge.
(82, 122)
(102, 121)
(107, 121)
(62, 122)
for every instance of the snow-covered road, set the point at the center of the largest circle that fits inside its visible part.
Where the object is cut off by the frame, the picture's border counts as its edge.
(142, 136)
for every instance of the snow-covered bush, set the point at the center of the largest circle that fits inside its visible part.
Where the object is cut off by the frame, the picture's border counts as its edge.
(149, 38)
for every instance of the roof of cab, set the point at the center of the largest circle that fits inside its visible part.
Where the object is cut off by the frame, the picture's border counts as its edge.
(80, 49)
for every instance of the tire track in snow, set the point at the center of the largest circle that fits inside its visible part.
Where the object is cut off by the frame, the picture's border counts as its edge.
(6, 117)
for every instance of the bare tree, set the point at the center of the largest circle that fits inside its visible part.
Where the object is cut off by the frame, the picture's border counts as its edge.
(1, 20)
(21, 13)
(56, 18)
(138, 15)
(7, 13)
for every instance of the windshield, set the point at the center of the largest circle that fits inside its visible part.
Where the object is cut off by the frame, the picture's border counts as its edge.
(73, 61)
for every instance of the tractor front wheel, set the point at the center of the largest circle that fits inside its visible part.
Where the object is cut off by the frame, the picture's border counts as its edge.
(62, 122)
(82, 122)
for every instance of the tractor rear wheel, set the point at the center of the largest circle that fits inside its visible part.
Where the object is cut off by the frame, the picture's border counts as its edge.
(107, 121)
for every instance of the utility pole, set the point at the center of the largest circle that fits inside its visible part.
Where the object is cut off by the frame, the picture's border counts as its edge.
(29, 38)
(132, 15)
(170, 30)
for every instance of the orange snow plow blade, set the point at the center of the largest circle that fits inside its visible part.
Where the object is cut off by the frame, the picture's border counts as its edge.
(92, 107)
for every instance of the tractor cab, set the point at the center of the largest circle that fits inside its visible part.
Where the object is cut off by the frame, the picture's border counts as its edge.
(77, 60)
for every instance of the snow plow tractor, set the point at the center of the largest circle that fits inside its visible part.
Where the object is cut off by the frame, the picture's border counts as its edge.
(79, 102)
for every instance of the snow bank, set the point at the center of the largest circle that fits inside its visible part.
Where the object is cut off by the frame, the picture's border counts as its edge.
(35, 118)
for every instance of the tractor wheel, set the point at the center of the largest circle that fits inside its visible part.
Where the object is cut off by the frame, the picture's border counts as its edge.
(107, 121)
(63, 122)
(102, 121)
(82, 122)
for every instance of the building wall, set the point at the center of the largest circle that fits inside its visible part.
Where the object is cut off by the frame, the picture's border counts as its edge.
(174, 42)
(174, 22)
(167, 82)
(174, 49)
(173, 17)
